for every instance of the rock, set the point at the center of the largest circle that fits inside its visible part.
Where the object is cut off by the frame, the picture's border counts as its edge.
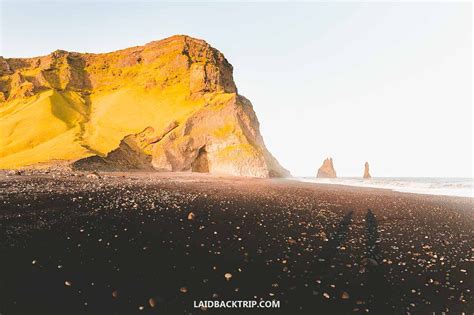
(327, 169)
(93, 175)
(130, 155)
(151, 302)
(291, 241)
(228, 276)
(345, 295)
(191, 216)
(221, 138)
(170, 105)
(366, 170)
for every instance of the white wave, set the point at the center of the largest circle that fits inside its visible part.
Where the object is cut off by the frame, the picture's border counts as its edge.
(462, 187)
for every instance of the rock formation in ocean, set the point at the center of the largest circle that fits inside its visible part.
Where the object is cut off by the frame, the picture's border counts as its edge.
(171, 105)
(366, 170)
(327, 169)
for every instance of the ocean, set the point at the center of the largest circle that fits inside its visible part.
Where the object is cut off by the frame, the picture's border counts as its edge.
(418, 185)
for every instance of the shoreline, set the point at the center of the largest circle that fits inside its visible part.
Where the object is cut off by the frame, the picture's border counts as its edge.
(64, 170)
(364, 183)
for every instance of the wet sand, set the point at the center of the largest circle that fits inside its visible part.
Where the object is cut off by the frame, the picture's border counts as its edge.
(127, 243)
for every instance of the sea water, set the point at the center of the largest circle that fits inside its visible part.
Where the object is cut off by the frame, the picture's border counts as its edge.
(419, 185)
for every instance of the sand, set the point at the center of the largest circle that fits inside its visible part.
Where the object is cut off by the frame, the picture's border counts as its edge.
(152, 243)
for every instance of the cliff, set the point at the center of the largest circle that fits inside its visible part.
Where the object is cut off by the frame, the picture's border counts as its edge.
(171, 105)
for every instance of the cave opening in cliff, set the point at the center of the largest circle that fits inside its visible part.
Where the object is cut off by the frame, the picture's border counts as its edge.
(201, 163)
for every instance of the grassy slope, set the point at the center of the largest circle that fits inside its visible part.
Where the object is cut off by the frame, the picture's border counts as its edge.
(58, 126)
(40, 128)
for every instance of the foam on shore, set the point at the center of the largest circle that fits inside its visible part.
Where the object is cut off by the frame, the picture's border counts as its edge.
(461, 187)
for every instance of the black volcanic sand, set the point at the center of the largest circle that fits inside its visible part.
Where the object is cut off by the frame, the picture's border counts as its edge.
(70, 244)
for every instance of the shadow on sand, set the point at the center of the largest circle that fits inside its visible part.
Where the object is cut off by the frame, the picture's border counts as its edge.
(335, 240)
(372, 249)
(377, 290)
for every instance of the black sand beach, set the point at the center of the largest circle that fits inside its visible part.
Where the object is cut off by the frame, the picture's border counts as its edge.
(127, 243)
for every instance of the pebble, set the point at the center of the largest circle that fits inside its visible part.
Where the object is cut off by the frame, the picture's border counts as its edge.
(93, 175)
(151, 302)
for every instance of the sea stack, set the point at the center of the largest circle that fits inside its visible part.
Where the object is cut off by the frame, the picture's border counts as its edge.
(327, 169)
(366, 171)
(170, 105)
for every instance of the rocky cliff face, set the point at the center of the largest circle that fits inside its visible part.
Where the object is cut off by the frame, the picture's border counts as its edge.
(171, 105)
(366, 170)
(327, 169)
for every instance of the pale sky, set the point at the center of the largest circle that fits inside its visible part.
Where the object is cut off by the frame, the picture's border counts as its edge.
(390, 83)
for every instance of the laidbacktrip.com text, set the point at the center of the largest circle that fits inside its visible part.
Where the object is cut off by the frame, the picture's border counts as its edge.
(236, 304)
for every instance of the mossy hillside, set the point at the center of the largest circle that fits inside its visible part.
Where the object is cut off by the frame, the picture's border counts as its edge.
(96, 101)
(39, 119)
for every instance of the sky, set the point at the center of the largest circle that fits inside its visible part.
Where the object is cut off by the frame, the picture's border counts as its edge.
(385, 82)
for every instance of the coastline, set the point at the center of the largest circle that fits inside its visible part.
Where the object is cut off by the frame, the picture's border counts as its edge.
(313, 247)
(434, 186)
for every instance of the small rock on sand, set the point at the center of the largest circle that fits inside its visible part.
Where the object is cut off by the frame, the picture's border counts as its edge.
(93, 175)
(151, 302)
